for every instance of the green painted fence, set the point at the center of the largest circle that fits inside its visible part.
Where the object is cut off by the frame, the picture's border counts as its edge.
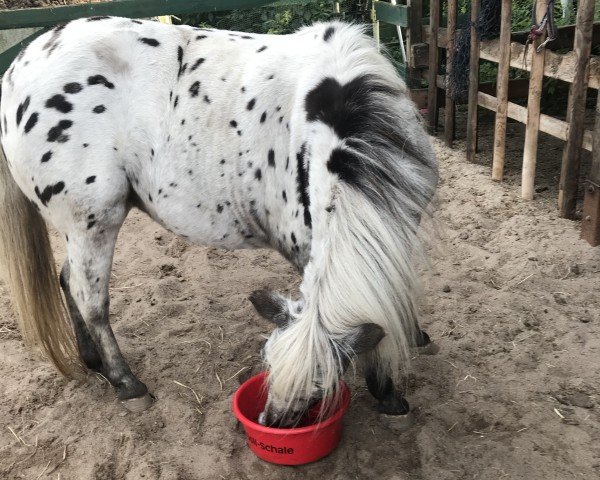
(49, 16)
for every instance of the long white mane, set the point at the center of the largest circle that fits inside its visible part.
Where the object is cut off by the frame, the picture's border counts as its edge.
(363, 253)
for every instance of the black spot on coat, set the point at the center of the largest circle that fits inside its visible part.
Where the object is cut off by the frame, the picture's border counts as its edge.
(261, 49)
(31, 122)
(46, 156)
(56, 133)
(251, 103)
(21, 109)
(348, 108)
(194, 89)
(73, 87)
(99, 109)
(91, 179)
(328, 33)
(149, 41)
(196, 64)
(60, 103)
(100, 80)
(52, 42)
(180, 60)
(271, 158)
(46, 195)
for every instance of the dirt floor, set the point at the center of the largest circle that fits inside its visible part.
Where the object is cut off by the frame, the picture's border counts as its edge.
(511, 298)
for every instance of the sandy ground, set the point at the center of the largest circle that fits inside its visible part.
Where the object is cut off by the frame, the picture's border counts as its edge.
(510, 297)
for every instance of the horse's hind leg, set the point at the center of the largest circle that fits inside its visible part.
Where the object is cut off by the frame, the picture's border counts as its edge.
(87, 348)
(90, 253)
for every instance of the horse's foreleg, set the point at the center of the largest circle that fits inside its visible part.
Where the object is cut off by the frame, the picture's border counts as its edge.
(381, 386)
(426, 346)
(87, 277)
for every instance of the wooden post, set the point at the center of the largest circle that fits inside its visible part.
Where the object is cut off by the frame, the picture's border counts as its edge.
(415, 34)
(434, 61)
(502, 92)
(569, 174)
(375, 27)
(590, 227)
(473, 84)
(450, 107)
(533, 110)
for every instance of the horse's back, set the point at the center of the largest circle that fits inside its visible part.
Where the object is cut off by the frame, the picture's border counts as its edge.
(208, 129)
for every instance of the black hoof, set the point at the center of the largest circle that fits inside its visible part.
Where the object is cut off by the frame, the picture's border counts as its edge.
(393, 405)
(130, 390)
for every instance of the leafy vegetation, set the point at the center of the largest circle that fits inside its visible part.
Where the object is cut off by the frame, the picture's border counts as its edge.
(286, 16)
(282, 18)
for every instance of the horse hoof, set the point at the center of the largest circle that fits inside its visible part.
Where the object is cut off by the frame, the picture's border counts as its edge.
(400, 422)
(429, 349)
(138, 404)
(394, 404)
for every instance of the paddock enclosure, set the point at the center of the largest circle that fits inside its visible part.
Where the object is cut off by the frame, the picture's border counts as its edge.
(509, 295)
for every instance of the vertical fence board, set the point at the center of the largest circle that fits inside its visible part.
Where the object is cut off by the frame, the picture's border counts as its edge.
(473, 84)
(569, 175)
(502, 92)
(533, 111)
(590, 228)
(434, 61)
(450, 107)
(415, 28)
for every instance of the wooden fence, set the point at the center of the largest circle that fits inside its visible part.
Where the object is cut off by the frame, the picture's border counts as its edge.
(577, 67)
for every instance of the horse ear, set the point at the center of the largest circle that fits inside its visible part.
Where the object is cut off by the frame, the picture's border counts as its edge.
(271, 306)
(365, 337)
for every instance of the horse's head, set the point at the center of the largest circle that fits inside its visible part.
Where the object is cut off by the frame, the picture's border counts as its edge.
(305, 362)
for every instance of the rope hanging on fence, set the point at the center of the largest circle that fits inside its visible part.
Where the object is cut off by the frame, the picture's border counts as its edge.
(487, 27)
(537, 30)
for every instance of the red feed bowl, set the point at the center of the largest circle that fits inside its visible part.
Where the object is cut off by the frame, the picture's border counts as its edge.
(286, 446)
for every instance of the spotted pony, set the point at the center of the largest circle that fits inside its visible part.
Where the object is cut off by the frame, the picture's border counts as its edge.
(305, 143)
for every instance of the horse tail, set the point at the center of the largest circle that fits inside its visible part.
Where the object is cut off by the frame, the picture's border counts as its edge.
(30, 273)
(370, 174)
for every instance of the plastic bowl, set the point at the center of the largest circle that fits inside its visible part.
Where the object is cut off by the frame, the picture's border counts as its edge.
(286, 446)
